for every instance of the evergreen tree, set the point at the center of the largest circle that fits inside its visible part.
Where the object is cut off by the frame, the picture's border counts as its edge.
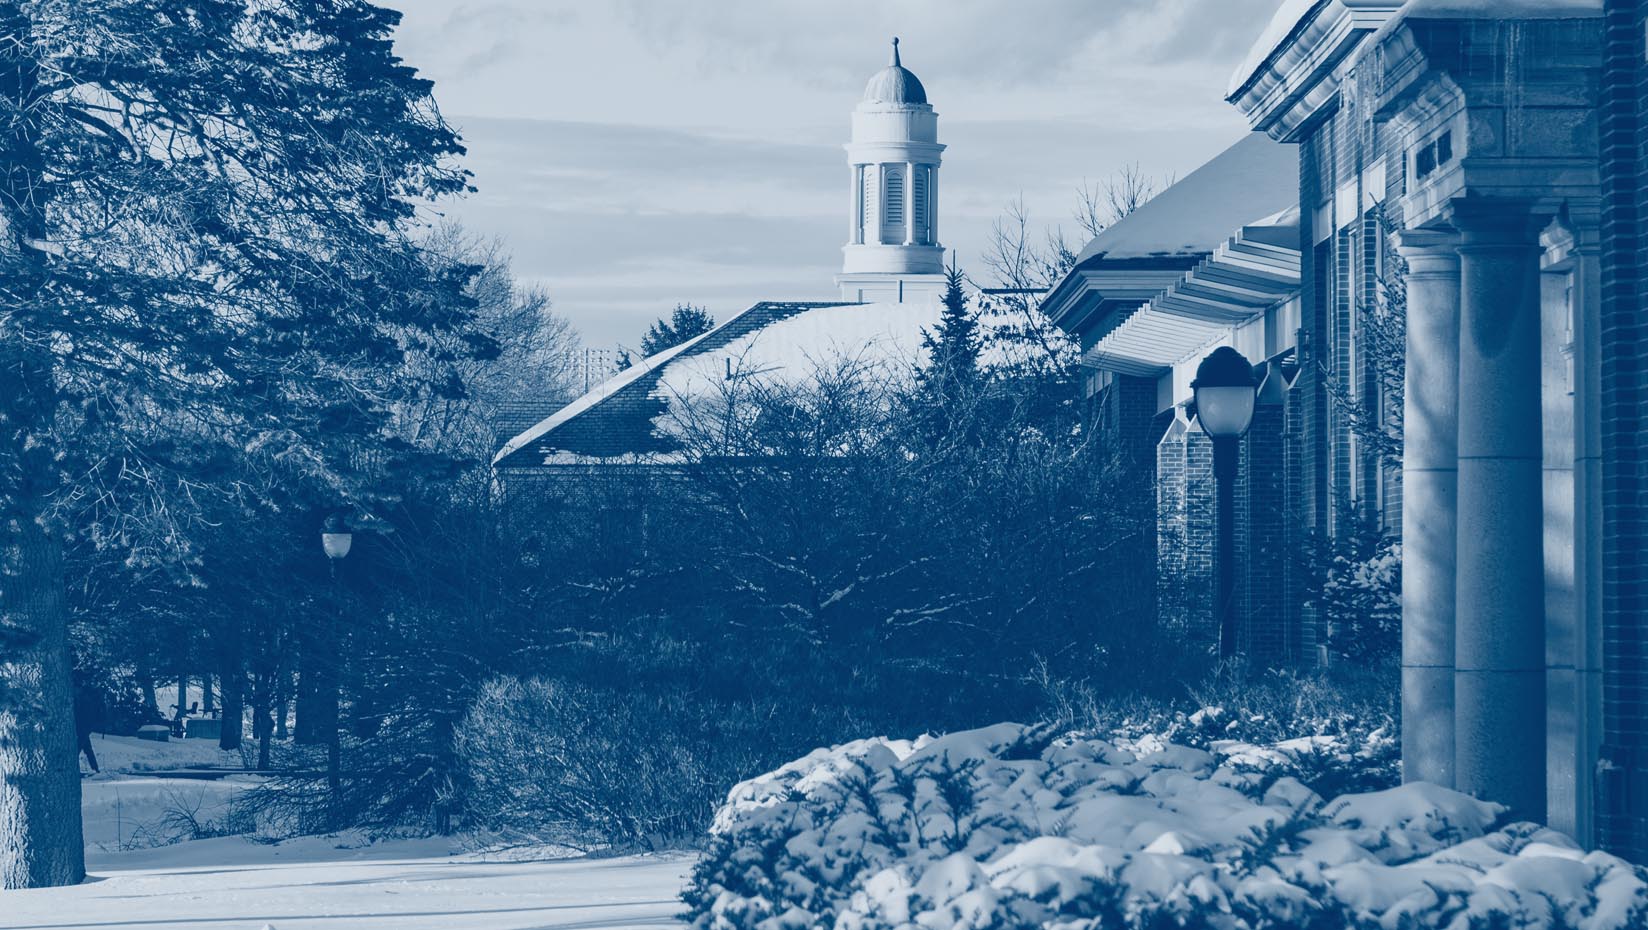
(953, 349)
(685, 322)
(205, 218)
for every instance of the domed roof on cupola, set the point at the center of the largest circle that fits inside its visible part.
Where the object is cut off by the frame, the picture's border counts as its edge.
(895, 84)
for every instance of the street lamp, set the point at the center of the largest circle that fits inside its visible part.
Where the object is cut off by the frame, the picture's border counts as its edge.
(1225, 391)
(335, 540)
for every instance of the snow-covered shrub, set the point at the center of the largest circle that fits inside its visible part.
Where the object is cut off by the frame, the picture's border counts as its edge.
(1348, 720)
(1362, 601)
(1009, 827)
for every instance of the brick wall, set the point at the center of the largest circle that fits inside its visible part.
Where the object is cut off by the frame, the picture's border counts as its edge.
(1127, 418)
(1623, 814)
(1261, 516)
(1184, 534)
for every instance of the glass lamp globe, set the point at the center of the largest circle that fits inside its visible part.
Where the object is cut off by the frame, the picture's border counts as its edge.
(335, 538)
(1225, 390)
(336, 544)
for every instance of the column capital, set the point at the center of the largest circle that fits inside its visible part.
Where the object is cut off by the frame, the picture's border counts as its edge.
(1429, 251)
(1496, 222)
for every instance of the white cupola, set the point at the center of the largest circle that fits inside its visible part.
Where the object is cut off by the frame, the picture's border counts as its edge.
(892, 251)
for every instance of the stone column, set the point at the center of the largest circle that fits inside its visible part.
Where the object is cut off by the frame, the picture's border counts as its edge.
(932, 205)
(880, 203)
(1573, 535)
(857, 234)
(1430, 484)
(909, 203)
(1499, 641)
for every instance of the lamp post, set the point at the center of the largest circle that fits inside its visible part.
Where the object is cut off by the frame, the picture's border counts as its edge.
(1225, 391)
(335, 540)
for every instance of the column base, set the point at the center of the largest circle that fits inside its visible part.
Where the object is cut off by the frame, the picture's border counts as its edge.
(1427, 724)
(1499, 738)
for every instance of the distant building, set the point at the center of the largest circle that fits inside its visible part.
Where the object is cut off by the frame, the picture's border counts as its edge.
(1213, 260)
(891, 279)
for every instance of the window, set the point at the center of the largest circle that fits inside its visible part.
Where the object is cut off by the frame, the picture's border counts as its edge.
(895, 197)
(1432, 155)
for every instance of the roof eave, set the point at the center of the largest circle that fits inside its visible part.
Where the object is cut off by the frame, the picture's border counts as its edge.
(1300, 76)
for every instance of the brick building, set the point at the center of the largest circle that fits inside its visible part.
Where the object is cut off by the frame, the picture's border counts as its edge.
(1475, 136)
(1495, 150)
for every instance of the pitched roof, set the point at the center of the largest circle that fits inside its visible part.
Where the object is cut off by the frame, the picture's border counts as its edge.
(615, 419)
(1255, 177)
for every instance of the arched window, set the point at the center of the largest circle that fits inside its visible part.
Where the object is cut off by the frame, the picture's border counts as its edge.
(894, 212)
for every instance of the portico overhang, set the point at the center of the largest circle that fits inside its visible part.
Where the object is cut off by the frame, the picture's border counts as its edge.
(1251, 272)
(1293, 71)
(1086, 300)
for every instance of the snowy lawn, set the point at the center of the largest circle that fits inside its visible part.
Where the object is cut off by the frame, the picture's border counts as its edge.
(310, 884)
(146, 873)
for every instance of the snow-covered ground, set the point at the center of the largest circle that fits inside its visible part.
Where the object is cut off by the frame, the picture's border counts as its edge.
(145, 875)
(309, 884)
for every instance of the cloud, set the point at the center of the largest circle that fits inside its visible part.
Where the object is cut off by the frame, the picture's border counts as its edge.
(975, 42)
(633, 153)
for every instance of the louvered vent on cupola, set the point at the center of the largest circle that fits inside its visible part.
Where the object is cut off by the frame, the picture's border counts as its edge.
(895, 197)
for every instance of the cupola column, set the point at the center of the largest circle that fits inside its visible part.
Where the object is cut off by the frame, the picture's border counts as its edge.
(856, 231)
(909, 203)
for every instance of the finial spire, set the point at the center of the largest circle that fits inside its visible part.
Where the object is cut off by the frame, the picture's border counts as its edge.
(896, 62)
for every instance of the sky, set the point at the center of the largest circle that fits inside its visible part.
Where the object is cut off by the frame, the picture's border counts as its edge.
(635, 154)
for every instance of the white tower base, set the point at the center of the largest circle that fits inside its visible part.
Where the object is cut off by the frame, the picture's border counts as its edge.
(874, 288)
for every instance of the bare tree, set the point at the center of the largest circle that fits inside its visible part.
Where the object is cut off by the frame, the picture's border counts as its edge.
(1128, 188)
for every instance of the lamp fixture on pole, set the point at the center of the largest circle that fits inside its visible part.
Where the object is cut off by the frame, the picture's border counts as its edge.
(1225, 392)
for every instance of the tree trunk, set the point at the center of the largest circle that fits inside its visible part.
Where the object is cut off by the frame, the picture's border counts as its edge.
(206, 704)
(319, 679)
(151, 707)
(40, 839)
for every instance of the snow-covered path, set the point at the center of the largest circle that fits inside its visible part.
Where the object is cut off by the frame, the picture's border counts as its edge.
(390, 886)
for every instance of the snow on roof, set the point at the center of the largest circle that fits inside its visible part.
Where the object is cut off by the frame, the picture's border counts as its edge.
(1289, 16)
(599, 393)
(1501, 9)
(882, 337)
(1255, 177)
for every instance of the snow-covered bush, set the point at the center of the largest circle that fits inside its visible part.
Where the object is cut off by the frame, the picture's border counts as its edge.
(1010, 826)
(1362, 601)
(1349, 719)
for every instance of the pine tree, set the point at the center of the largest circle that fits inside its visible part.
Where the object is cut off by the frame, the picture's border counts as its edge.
(685, 322)
(953, 350)
(205, 240)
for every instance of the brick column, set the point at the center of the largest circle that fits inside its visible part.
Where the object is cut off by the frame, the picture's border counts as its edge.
(1499, 642)
(1623, 468)
(1260, 519)
(1430, 483)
